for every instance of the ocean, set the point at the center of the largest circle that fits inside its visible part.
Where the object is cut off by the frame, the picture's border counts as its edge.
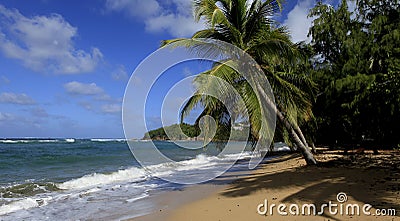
(98, 179)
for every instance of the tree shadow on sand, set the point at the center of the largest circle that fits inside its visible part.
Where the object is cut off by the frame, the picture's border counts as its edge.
(375, 181)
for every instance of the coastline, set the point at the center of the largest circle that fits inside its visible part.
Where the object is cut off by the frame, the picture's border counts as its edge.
(366, 179)
(168, 202)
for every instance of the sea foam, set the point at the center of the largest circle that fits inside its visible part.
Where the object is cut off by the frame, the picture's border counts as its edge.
(133, 174)
(18, 205)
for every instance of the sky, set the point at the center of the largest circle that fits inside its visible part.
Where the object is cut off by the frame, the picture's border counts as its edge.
(64, 65)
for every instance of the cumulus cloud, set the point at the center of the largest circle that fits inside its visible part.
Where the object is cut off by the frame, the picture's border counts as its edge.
(44, 43)
(94, 99)
(78, 88)
(174, 16)
(88, 89)
(297, 20)
(13, 98)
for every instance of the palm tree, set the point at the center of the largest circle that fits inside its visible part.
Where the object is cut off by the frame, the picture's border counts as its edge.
(248, 26)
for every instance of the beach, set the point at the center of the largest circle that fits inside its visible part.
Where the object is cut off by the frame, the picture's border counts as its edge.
(200, 110)
(364, 179)
(99, 179)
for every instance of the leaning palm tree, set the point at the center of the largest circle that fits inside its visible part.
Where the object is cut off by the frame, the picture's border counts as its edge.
(248, 26)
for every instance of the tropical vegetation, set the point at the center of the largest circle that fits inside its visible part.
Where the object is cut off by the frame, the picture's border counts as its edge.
(357, 69)
(341, 88)
(191, 132)
(247, 25)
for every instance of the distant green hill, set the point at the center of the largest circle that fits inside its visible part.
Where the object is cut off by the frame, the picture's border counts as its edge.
(193, 132)
(174, 132)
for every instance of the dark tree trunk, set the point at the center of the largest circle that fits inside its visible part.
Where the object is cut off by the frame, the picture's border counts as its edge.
(300, 133)
(305, 151)
(314, 149)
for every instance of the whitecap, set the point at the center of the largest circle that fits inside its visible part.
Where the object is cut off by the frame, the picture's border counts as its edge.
(18, 205)
(98, 179)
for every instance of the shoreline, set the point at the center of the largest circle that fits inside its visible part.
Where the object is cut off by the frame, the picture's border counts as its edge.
(366, 179)
(165, 207)
(170, 201)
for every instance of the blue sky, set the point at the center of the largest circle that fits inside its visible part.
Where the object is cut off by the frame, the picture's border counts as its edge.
(64, 65)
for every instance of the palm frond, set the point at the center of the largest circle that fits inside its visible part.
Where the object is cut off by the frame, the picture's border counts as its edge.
(249, 26)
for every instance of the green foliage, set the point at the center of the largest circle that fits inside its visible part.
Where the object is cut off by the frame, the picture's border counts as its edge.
(357, 68)
(173, 132)
(248, 25)
(193, 131)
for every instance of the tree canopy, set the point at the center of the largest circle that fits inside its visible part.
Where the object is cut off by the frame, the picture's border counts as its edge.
(248, 26)
(341, 88)
(356, 65)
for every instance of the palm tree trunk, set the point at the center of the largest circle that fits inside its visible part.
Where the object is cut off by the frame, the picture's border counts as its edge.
(305, 151)
(300, 133)
(313, 148)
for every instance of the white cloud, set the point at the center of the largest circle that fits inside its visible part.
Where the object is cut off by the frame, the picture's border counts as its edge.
(297, 20)
(120, 74)
(44, 43)
(97, 100)
(136, 8)
(13, 98)
(6, 117)
(86, 105)
(78, 88)
(101, 108)
(174, 16)
(111, 108)
(175, 24)
(104, 97)
(352, 5)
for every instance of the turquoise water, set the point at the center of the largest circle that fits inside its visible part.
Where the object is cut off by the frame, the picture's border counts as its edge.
(68, 179)
(59, 160)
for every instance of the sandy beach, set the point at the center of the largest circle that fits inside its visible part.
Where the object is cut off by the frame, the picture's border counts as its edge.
(364, 179)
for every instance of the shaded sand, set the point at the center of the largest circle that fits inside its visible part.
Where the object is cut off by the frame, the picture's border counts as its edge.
(367, 178)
